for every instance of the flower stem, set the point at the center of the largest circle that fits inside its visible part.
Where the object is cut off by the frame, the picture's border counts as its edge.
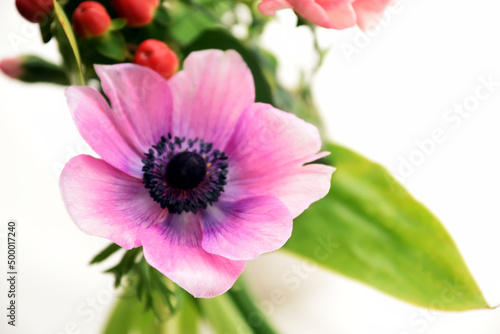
(250, 311)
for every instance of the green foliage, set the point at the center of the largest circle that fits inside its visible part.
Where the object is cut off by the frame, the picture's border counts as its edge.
(154, 291)
(129, 316)
(162, 17)
(67, 45)
(117, 24)
(126, 264)
(245, 303)
(36, 69)
(111, 45)
(188, 22)
(371, 229)
(158, 29)
(368, 228)
(187, 319)
(224, 316)
(105, 253)
(46, 28)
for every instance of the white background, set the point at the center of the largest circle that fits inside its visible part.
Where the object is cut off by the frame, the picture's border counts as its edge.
(394, 91)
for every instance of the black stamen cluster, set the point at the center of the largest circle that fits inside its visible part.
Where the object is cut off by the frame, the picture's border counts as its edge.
(184, 175)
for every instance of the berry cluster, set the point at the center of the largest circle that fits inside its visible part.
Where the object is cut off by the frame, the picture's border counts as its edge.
(96, 24)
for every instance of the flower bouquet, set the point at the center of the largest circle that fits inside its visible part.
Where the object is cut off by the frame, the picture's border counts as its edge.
(202, 160)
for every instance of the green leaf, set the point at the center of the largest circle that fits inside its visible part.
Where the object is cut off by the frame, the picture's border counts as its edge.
(36, 69)
(221, 39)
(117, 24)
(188, 23)
(111, 45)
(223, 315)
(162, 17)
(105, 253)
(156, 291)
(46, 28)
(369, 228)
(67, 45)
(125, 265)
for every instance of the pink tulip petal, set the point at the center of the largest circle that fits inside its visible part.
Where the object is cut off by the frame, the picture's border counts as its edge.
(342, 17)
(174, 248)
(210, 94)
(95, 122)
(269, 7)
(369, 11)
(141, 102)
(106, 202)
(336, 14)
(266, 156)
(245, 229)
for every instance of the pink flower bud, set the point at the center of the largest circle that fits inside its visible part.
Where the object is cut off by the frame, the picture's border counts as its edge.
(12, 67)
(90, 19)
(35, 10)
(138, 13)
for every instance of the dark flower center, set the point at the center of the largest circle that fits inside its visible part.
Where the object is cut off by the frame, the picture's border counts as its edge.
(186, 170)
(184, 175)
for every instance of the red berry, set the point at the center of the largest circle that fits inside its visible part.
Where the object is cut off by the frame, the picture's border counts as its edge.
(35, 10)
(90, 19)
(138, 13)
(157, 56)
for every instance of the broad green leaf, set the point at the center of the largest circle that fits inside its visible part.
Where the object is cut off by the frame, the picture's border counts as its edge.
(111, 45)
(68, 45)
(223, 40)
(369, 228)
(223, 315)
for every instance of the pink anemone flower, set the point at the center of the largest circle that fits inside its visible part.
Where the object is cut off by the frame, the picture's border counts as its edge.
(334, 14)
(191, 169)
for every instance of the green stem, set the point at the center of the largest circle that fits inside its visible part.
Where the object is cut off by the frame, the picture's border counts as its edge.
(320, 51)
(250, 311)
